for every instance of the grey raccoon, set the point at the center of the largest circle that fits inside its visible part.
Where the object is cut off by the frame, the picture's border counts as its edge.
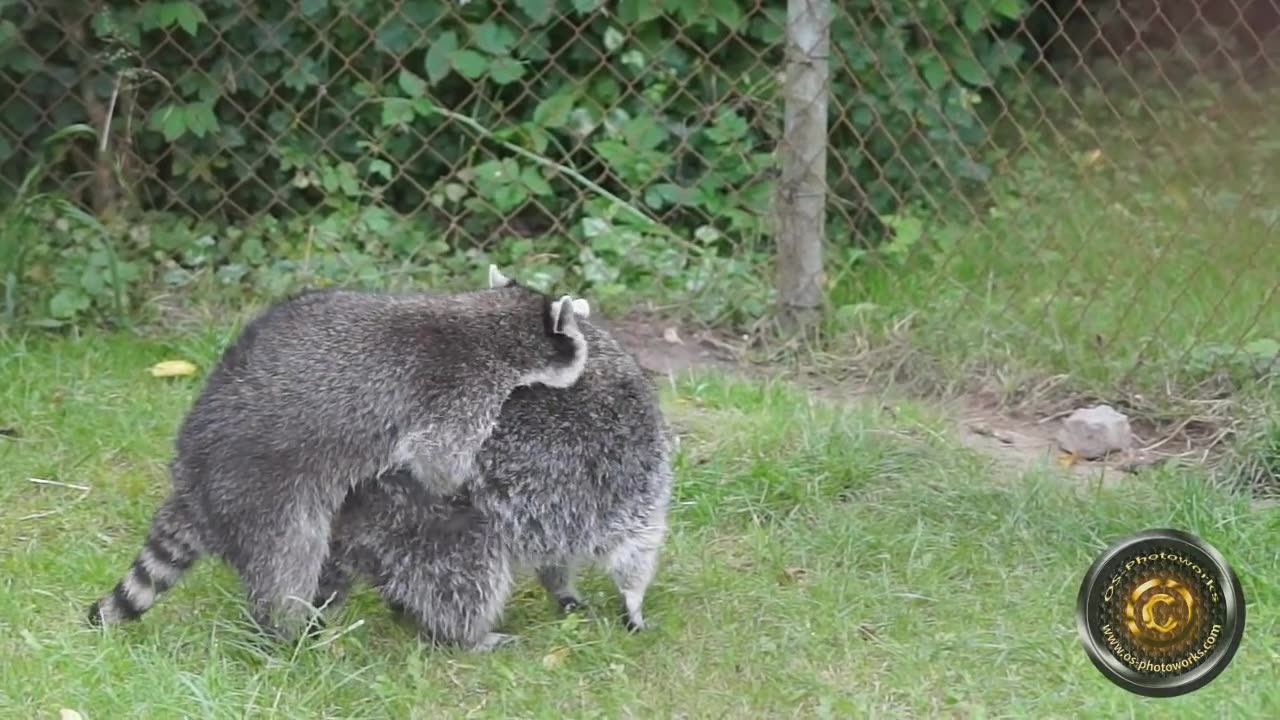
(324, 390)
(568, 477)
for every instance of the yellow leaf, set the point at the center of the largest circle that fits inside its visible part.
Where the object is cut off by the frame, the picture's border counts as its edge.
(172, 368)
(1067, 459)
(1092, 157)
(555, 657)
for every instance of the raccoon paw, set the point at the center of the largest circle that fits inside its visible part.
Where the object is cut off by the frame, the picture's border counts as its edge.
(635, 624)
(399, 613)
(314, 626)
(569, 603)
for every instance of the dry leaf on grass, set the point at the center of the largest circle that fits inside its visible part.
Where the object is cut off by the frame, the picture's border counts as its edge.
(172, 368)
(672, 336)
(555, 658)
(69, 714)
(793, 575)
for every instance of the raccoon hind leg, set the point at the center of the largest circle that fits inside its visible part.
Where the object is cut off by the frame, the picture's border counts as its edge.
(455, 594)
(632, 566)
(557, 580)
(282, 570)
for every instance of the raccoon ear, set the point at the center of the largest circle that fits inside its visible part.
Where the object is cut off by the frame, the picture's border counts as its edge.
(581, 308)
(563, 318)
(496, 278)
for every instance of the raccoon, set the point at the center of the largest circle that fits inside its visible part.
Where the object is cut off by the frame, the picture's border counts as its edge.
(569, 477)
(320, 392)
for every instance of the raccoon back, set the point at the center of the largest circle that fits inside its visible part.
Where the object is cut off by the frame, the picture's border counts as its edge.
(572, 468)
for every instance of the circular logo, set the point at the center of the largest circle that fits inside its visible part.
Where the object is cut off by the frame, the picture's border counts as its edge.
(1160, 613)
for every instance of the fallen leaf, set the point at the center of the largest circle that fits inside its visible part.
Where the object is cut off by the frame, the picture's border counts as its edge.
(1092, 157)
(671, 336)
(172, 368)
(555, 657)
(793, 575)
(69, 714)
(1067, 459)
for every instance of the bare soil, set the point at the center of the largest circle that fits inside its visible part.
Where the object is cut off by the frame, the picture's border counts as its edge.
(1014, 442)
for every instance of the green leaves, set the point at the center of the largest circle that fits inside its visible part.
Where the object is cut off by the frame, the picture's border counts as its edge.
(727, 13)
(488, 54)
(437, 63)
(539, 11)
(469, 63)
(506, 185)
(165, 15)
(411, 84)
(492, 38)
(976, 15)
(638, 11)
(69, 302)
(505, 70)
(397, 111)
(174, 121)
(667, 103)
(970, 71)
(554, 111)
(1009, 9)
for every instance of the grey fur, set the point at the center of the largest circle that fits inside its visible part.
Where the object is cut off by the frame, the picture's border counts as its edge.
(320, 392)
(569, 477)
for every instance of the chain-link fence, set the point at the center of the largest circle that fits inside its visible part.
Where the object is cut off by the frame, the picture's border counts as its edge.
(1073, 186)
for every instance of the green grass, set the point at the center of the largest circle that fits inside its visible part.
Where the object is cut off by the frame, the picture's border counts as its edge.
(823, 562)
(1144, 266)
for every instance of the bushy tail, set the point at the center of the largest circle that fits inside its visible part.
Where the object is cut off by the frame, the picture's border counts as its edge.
(167, 554)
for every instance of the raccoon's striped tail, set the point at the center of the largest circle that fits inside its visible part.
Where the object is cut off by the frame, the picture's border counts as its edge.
(167, 554)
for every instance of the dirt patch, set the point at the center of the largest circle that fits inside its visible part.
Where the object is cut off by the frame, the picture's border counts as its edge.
(1019, 444)
(1015, 443)
(665, 348)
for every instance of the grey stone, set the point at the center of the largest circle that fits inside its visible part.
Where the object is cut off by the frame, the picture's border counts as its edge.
(1093, 432)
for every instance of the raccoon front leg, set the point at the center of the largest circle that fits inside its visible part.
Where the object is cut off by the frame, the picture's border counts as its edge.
(632, 566)
(443, 456)
(557, 580)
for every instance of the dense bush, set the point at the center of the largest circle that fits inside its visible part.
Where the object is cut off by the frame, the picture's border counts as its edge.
(320, 125)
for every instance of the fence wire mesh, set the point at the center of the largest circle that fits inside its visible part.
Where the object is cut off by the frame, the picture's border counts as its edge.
(1076, 186)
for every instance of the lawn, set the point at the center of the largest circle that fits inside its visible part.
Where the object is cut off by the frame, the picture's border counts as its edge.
(823, 562)
(1124, 247)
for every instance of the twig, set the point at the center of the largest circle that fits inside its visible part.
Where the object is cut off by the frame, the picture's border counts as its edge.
(1055, 416)
(111, 111)
(84, 493)
(73, 486)
(338, 635)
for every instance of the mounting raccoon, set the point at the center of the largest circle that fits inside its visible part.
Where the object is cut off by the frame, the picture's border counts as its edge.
(323, 391)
